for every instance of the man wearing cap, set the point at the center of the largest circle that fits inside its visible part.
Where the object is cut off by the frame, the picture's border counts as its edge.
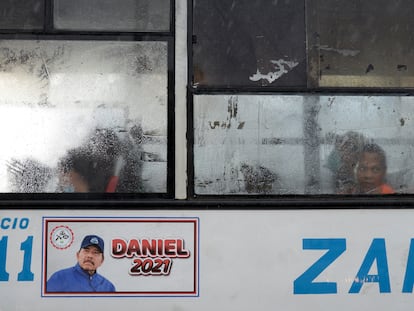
(83, 277)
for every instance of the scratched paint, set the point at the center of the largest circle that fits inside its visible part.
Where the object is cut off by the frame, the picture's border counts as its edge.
(281, 66)
(344, 52)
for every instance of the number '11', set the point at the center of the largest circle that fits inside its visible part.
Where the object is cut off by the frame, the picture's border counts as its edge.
(26, 247)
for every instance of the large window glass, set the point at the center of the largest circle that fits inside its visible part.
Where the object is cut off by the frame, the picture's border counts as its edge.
(83, 116)
(303, 144)
(86, 97)
(249, 43)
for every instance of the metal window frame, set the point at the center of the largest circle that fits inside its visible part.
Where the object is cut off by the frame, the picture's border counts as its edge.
(101, 200)
(299, 201)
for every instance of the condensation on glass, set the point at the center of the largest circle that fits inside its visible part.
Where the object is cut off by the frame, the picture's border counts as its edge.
(249, 43)
(97, 107)
(360, 43)
(110, 15)
(22, 14)
(294, 144)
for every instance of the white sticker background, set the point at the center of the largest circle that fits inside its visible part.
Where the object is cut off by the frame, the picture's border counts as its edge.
(181, 277)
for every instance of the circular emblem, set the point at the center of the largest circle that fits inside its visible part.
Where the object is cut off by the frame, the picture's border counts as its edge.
(61, 237)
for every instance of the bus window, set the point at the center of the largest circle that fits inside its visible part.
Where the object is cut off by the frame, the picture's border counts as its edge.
(300, 144)
(101, 106)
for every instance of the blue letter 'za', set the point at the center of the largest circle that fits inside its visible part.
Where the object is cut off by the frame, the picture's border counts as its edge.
(303, 284)
(376, 252)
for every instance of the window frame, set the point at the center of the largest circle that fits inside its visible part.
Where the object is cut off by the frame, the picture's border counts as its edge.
(104, 199)
(265, 201)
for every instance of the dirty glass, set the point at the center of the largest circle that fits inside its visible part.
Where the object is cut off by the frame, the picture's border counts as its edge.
(358, 43)
(249, 43)
(302, 144)
(112, 15)
(83, 116)
(21, 14)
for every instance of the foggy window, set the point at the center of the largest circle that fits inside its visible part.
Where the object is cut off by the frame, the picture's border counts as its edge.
(83, 116)
(303, 144)
(83, 113)
(112, 15)
(21, 14)
(361, 43)
(249, 43)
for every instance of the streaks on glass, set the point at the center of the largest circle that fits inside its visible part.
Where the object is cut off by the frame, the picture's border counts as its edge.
(57, 94)
(28, 175)
(259, 180)
(298, 144)
(281, 66)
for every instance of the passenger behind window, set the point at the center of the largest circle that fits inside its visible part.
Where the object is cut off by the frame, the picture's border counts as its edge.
(371, 171)
(109, 161)
(104, 164)
(343, 160)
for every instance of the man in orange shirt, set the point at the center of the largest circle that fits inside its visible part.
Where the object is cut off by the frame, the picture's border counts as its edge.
(371, 171)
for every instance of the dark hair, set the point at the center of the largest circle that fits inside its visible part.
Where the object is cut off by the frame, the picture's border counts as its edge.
(94, 169)
(374, 148)
(95, 160)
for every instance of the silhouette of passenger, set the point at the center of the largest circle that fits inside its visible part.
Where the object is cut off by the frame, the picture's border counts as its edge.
(371, 171)
(104, 164)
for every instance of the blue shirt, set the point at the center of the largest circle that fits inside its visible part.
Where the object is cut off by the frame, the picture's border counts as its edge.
(75, 279)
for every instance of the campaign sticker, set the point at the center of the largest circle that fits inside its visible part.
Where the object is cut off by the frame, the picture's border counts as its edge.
(121, 256)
